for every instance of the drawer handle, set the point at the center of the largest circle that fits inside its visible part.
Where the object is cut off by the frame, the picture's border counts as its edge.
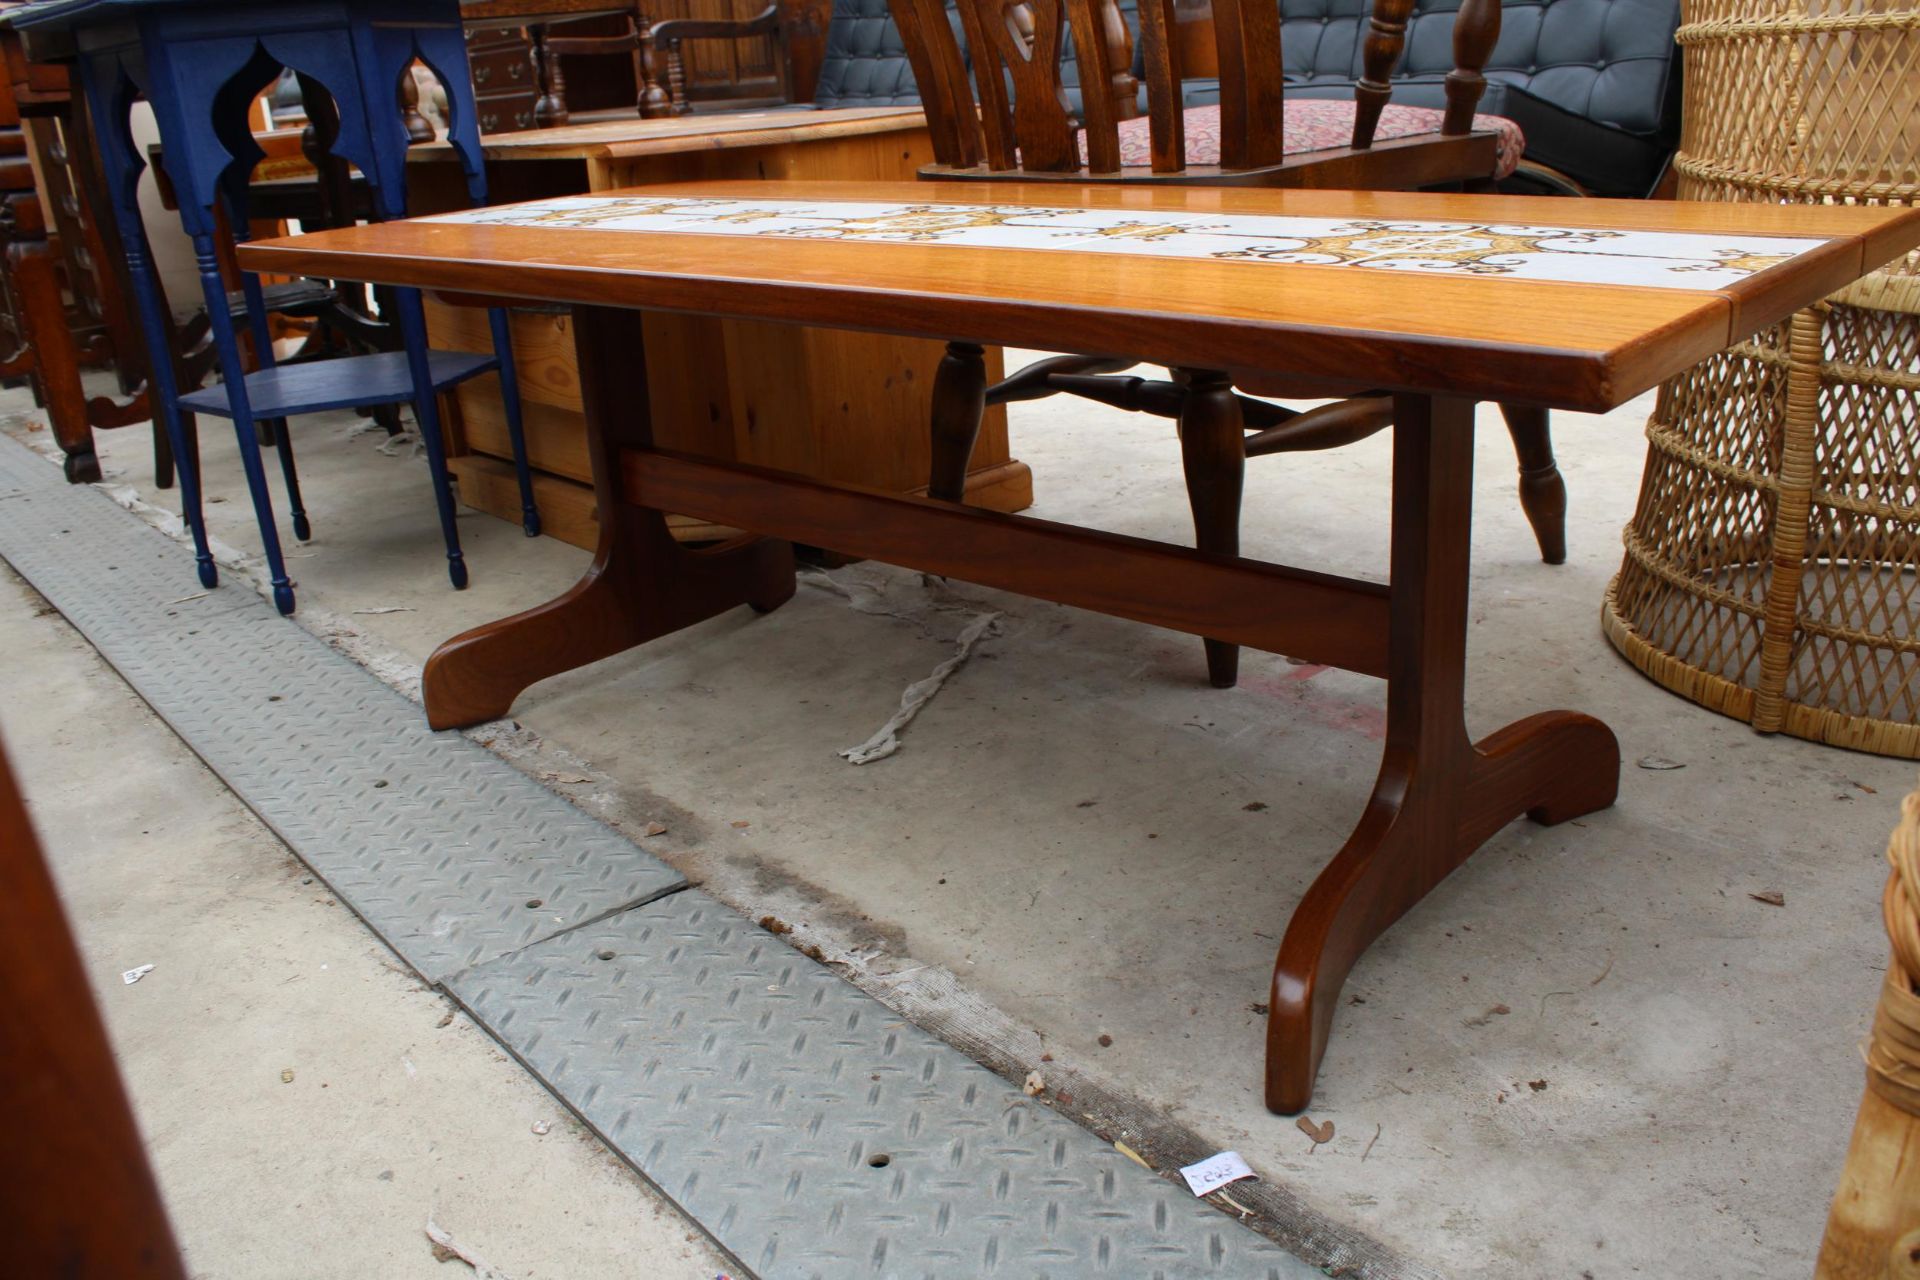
(515, 70)
(524, 119)
(489, 123)
(482, 74)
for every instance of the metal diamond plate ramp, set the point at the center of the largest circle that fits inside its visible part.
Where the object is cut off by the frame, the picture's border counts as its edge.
(816, 1134)
(437, 843)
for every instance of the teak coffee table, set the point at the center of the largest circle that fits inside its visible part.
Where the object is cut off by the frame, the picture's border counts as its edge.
(1443, 299)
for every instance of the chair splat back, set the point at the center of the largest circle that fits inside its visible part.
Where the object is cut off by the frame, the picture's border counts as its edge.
(1018, 43)
(940, 72)
(1024, 122)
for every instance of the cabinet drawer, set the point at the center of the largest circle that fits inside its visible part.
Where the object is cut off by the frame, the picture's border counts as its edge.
(479, 38)
(510, 112)
(501, 71)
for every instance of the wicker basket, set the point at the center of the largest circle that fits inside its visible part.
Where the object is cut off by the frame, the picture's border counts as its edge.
(1772, 567)
(1873, 1228)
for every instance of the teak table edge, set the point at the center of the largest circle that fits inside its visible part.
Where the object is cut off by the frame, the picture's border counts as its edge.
(1438, 797)
(1586, 380)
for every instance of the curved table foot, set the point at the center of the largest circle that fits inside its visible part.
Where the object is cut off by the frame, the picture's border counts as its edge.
(641, 586)
(1422, 821)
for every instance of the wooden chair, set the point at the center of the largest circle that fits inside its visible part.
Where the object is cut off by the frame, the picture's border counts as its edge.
(635, 41)
(1020, 128)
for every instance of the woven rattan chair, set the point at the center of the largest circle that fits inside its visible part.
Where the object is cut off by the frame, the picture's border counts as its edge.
(998, 108)
(1873, 1228)
(1772, 567)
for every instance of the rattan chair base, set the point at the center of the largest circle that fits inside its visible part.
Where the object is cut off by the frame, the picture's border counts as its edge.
(1772, 567)
(1716, 693)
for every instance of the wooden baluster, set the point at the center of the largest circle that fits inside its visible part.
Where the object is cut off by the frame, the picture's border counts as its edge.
(1475, 29)
(959, 400)
(1386, 36)
(550, 105)
(419, 128)
(1543, 494)
(654, 102)
(677, 81)
(1123, 89)
(1247, 35)
(1213, 450)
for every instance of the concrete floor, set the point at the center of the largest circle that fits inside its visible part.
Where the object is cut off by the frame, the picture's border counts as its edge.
(1072, 844)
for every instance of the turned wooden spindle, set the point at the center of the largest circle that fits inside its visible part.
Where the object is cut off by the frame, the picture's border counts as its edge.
(959, 401)
(1474, 31)
(1543, 493)
(654, 101)
(1213, 451)
(1386, 37)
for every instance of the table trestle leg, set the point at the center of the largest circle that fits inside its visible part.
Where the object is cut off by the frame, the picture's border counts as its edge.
(642, 584)
(1439, 796)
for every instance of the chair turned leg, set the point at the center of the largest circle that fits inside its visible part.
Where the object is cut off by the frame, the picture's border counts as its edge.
(297, 507)
(1543, 494)
(498, 321)
(959, 401)
(273, 432)
(426, 412)
(233, 373)
(162, 457)
(1213, 450)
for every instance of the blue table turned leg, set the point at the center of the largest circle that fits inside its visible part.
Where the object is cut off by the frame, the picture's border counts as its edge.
(108, 101)
(426, 412)
(262, 334)
(510, 398)
(234, 375)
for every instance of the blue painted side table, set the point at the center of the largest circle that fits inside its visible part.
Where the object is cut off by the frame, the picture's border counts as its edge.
(200, 63)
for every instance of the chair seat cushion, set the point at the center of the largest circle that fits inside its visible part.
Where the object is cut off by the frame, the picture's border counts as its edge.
(1313, 125)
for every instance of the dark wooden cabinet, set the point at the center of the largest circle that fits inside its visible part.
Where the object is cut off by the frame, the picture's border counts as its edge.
(504, 92)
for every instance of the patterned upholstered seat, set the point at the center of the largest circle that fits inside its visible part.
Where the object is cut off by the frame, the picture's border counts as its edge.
(1315, 125)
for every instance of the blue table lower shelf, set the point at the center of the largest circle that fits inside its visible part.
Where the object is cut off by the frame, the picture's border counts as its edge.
(347, 382)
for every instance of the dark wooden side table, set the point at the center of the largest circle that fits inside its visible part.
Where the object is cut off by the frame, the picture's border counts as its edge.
(1444, 300)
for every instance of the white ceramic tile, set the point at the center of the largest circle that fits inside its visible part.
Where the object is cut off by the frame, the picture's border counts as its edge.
(1569, 254)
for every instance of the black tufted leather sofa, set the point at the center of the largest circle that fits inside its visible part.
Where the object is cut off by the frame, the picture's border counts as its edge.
(865, 64)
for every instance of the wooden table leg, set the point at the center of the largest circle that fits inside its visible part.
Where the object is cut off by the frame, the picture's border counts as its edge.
(641, 585)
(1439, 795)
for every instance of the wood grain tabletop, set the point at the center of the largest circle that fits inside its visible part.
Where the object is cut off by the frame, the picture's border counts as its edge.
(1576, 304)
